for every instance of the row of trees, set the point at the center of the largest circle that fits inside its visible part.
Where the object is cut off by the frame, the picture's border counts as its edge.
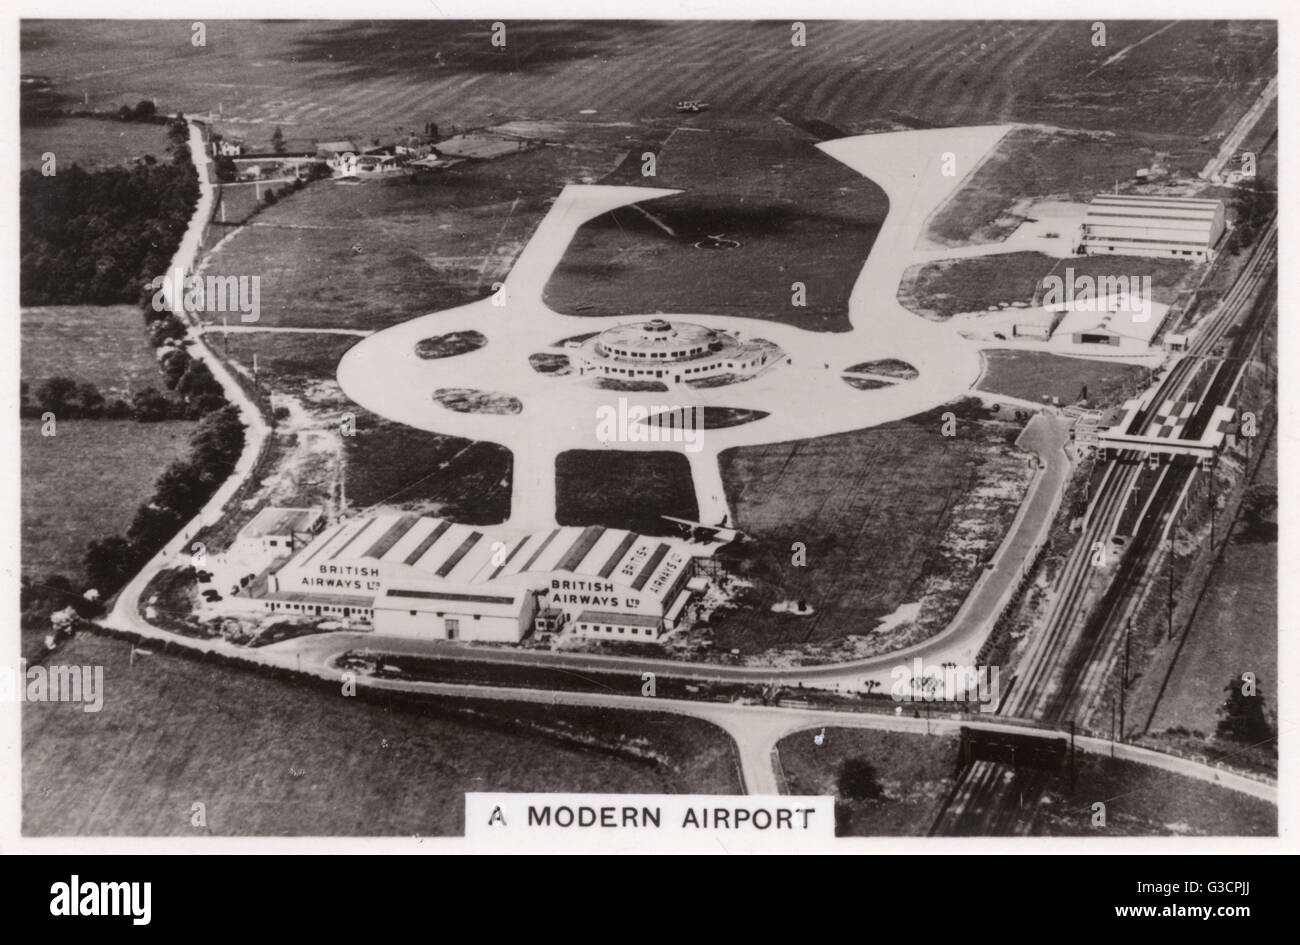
(128, 224)
(67, 399)
(179, 493)
(1254, 202)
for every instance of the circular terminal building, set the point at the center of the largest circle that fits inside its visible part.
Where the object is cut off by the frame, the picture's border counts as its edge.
(674, 353)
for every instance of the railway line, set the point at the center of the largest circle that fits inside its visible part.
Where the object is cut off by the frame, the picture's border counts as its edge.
(1066, 667)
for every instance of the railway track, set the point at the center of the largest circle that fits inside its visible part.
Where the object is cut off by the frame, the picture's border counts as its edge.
(1066, 665)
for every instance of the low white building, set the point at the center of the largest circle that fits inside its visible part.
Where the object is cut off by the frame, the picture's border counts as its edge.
(277, 531)
(1126, 324)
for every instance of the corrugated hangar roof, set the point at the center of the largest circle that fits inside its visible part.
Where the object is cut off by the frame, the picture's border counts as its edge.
(466, 555)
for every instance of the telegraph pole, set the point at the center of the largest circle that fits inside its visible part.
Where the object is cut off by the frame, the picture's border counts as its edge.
(1121, 699)
(1071, 756)
(1210, 476)
(1128, 632)
(1169, 610)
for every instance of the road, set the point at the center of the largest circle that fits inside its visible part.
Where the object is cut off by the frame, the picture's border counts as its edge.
(126, 607)
(1214, 167)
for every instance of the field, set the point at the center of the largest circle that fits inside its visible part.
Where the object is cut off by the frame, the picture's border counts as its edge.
(104, 345)
(1062, 164)
(390, 464)
(939, 290)
(893, 515)
(273, 757)
(87, 482)
(624, 489)
(1235, 630)
(915, 772)
(287, 362)
(1035, 375)
(334, 79)
(375, 254)
(91, 142)
(797, 214)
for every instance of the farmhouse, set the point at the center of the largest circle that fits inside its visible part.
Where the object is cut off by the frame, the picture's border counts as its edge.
(421, 576)
(673, 352)
(1138, 225)
(333, 149)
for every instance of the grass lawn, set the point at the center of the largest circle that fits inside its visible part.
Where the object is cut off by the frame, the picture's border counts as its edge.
(798, 215)
(104, 345)
(287, 362)
(87, 482)
(1145, 801)
(392, 464)
(939, 290)
(1235, 630)
(915, 774)
(274, 757)
(892, 515)
(624, 489)
(1035, 375)
(91, 142)
(375, 254)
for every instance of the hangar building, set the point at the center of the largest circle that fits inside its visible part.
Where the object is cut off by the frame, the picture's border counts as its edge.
(1139, 225)
(416, 575)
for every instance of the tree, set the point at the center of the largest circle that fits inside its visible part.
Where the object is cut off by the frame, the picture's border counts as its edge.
(277, 140)
(857, 780)
(58, 395)
(145, 110)
(181, 487)
(226, 169)
(1241, 717)
(152, 527)
(150, 406)
(174, 363)
(168, 326)
(110, 562)
(91, 400)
